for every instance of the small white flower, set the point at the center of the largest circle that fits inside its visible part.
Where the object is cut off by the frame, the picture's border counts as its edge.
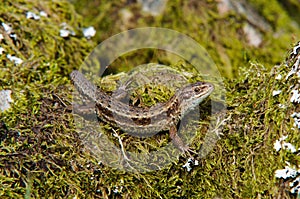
(89, 32)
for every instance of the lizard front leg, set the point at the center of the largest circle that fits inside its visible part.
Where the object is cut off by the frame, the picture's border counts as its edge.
(177, 141)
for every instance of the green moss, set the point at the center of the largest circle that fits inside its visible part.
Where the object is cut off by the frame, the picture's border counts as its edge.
(34, 151)
(42, 155)
(221, 35)
(261, 122)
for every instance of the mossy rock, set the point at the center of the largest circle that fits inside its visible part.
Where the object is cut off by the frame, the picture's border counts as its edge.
(41, 154)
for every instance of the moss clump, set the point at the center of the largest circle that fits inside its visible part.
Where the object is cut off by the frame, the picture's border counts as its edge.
(42, 155)
(221, 34)
(258, 118)
(37, 142)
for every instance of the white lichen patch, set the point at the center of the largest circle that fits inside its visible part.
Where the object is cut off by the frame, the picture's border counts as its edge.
(89, 32)
(43, 14)
(288, 172)
(281, 144)
(295, 54)
(118, 189)
(296, 117)
(14, 36)
(190, 164)
(8, 29)
(153, 7)
(253, 36)
(31, 15)
(1, 50)
(14, 59)
(296, 186)
(276, 92)
(297, 63)
(5, 99)
(281, 106)
(295, 69)
(295, 96)
(66, 30)
(296, 48)
(64, 33)
(278, 77)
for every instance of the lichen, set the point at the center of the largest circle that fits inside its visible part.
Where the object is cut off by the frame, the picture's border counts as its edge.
(41, 153)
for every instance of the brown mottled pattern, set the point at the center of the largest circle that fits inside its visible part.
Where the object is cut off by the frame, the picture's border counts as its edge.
(143, 121)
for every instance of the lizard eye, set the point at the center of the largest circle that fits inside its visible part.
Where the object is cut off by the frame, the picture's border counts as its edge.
(197, 90)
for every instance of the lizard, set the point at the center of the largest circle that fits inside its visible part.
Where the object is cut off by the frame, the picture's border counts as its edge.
(145, 121)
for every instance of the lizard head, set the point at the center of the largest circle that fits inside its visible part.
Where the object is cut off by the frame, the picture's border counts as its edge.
(193, 94)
